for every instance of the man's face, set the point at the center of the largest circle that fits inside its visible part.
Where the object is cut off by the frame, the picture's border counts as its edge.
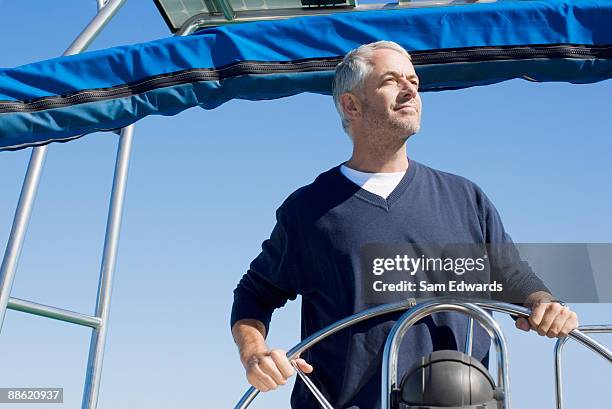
(390, 98)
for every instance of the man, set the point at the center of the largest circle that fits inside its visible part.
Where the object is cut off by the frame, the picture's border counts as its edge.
(378, 196)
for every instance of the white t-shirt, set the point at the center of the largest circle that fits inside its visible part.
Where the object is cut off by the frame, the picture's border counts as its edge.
(381, 184)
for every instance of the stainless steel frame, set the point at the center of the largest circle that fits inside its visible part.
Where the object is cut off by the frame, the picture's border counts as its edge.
(106, 11)
(412, 316)
(230, 16)
(60, 314)
(34, 171)
(109, 257)
(559, 349)
(98, 322)
(502, 307)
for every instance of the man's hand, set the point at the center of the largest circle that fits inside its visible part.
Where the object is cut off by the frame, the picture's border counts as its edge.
(265, 369)
(547, 317)
(270, 369)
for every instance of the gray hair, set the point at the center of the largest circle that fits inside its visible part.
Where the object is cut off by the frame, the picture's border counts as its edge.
(353, 69)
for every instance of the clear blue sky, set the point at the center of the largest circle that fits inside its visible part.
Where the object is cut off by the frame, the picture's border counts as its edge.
(203, 187)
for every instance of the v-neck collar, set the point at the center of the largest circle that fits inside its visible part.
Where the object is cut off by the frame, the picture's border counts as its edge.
(380, 201)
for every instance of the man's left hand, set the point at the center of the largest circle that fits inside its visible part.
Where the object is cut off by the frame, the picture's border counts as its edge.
(548, 317)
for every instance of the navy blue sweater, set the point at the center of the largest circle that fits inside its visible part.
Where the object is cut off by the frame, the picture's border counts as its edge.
(314, 251)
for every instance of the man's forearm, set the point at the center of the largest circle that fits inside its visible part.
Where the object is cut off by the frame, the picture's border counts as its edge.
(249, 335)
(265, 369)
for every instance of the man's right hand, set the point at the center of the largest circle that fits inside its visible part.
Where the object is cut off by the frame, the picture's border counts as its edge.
(265, 369)
(269, 369)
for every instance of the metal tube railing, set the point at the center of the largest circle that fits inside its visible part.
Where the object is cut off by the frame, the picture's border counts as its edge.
(98, 337)
(60, 314)
(323, 333)
(576, 334)
(34, 171)
(109, 258)
(412, 316)
(106, 10)
(559, 349)
(20, 225)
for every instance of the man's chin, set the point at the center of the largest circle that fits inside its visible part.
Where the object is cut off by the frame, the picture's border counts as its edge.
(410, 129)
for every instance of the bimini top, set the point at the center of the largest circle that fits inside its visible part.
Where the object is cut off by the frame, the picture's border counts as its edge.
(452, 47)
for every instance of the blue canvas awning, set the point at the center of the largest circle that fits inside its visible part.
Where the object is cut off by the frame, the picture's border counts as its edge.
(452, 47)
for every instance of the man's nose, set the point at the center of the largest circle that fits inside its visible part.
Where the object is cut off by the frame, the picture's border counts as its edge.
(408, 90)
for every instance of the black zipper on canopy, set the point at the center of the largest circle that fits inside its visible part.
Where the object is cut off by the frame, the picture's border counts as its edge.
(482, 54)
(430, 57)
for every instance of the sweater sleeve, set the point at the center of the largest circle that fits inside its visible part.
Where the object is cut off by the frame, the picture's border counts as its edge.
(271, 279)
(507, 267)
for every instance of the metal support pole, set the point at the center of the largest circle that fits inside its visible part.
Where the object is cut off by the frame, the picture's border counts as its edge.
(98, 337)
(20, 224)
(469, 336)
(106, 11)
(109, 258)
(32, 177)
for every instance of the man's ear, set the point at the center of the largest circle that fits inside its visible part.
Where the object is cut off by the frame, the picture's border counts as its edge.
(351, 105)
